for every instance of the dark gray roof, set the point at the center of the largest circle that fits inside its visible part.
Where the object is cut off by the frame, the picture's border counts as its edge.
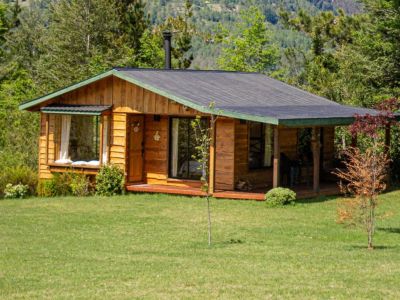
(247, 93)
(75, 109)
(248, 96)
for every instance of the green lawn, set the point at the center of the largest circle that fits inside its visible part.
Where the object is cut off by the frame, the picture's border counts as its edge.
(155, 246)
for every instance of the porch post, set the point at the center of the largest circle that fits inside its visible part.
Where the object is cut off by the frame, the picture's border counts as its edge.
(316, 149)
(211, 171)
(101, 140)
(277, 156)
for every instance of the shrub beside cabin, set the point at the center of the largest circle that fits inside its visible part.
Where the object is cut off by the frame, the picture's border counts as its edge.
(267, 133)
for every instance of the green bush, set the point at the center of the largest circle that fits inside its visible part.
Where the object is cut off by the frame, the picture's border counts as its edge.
(18, 175)
(279, 197)
(16, 191)
(58, 185)
(80, 185)
(110, 181)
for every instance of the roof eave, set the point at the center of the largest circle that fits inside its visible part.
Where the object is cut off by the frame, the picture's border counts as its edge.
(338, 121)
(32, 103)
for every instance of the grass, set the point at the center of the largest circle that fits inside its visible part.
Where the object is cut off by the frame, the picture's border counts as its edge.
(155, 246)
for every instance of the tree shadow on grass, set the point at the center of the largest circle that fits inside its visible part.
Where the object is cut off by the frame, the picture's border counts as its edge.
(378, 247)
(389, 229)
(317, 199)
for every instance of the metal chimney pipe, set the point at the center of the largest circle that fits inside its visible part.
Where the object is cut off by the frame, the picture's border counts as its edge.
(167, 48)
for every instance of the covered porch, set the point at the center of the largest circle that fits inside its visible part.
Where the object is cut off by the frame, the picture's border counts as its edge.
(263, 156)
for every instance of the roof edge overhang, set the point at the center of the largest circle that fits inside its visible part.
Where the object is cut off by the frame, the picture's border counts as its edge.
(88, 110)
(317, 122)
(31, 103)
(206, 110)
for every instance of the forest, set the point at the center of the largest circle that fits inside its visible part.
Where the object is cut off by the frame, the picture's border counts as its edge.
(347, 51)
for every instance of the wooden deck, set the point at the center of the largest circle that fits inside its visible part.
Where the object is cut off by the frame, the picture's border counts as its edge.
(302, 191)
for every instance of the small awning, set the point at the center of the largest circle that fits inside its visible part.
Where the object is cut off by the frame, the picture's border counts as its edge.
(70, 109)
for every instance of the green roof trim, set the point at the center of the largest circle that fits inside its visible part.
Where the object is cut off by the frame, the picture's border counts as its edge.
(185, 102)
(317, 122)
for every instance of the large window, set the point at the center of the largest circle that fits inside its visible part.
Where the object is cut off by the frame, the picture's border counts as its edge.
(80, 140)
(260, 145)
(182, 165)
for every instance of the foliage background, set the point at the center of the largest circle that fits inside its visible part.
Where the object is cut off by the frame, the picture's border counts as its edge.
(347, 51)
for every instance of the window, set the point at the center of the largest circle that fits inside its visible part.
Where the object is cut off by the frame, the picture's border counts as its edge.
(260, 145)
(80, 140)
(182, 165)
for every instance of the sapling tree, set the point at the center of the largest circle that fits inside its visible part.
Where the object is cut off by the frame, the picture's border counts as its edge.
(366, 170)
(204, 136)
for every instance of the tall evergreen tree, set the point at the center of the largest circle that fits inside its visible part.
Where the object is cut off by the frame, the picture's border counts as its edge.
(381, 40)
(83, 39)
(133, 21)
(3, 26)
(248, 46)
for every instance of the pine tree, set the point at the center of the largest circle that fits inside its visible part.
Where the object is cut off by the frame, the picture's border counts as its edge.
(134, 22)
(83, 39)
(248, 46)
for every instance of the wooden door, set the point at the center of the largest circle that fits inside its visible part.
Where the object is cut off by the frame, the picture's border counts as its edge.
(136, 150)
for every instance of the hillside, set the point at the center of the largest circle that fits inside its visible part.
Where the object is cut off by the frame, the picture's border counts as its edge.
(207, 15)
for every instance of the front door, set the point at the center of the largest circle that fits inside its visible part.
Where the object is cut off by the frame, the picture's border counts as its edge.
(135, 153)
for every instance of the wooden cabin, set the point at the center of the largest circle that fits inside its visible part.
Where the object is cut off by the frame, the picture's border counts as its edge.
(267, 133)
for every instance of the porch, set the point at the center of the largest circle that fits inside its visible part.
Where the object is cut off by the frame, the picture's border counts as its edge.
(246, 158)
(302, 191)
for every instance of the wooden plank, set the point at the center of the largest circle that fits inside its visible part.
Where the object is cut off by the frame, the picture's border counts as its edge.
(316, 149)
(211, 183)
(277, 154)
(224, 154)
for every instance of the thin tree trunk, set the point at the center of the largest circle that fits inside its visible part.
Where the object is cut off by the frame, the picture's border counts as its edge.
(209, 219)
(370, 229)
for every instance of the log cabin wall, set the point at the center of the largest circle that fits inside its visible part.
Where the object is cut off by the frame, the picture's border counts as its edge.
(126, 99)
(225, 154)
(48, 147)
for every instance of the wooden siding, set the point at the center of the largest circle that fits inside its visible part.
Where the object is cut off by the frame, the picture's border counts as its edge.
(225, 154)
(231, 144)
(125, 97)
(118, 140)
(156, 154)
(48, 150)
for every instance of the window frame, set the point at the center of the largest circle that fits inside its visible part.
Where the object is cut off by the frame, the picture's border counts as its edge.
(169, 170)
(101, 146)
(263, 134)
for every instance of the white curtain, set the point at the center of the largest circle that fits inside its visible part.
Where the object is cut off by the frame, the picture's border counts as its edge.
(105, 139)
(174, 146)
(268, 146)
(65, 132)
